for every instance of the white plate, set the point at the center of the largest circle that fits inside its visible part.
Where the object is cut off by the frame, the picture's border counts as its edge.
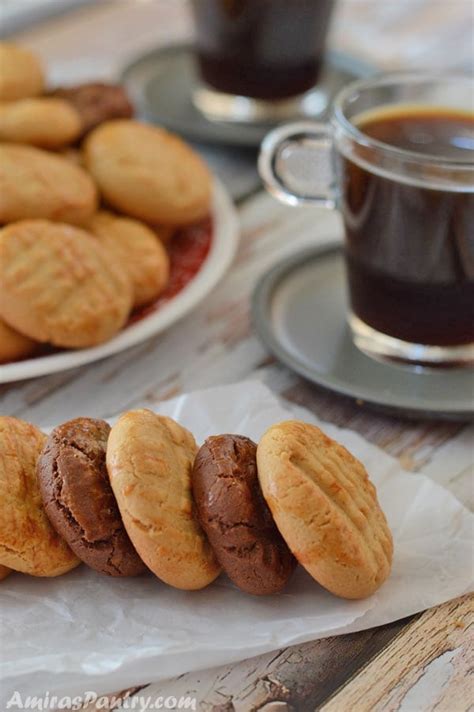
(223, 248)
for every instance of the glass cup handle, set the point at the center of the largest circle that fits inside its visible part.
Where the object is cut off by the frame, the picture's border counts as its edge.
(295, 164)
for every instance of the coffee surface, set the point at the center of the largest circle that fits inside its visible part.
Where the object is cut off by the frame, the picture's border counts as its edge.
(442, 133)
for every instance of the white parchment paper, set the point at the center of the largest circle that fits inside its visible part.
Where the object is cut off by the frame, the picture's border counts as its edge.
(84, 631)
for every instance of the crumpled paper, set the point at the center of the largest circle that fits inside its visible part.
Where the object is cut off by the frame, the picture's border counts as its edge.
(84, 631)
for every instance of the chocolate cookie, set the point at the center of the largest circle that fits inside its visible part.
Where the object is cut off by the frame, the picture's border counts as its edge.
(78, 498)
(236, 518)
(97, 102)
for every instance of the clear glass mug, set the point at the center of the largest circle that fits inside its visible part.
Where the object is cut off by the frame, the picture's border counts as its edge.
(408, 214)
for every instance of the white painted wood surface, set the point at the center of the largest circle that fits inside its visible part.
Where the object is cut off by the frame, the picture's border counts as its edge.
(216, 345)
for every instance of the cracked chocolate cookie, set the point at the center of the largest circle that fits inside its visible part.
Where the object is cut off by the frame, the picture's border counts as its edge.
(236, 518)
(78, 498)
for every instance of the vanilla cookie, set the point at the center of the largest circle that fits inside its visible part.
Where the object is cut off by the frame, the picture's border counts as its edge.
(38, 184)
(326, 508)
(150, 459)
(21, 74)
(138, 251)
(148, 173)
(28, 542)
(59, 285)
(13, 345)
(43, 121)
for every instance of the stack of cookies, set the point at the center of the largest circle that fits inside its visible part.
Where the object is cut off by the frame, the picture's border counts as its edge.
(143, 496)
(87, 199)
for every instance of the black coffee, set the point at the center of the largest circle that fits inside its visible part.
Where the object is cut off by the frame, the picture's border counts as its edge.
(266, 49)
(410, 249)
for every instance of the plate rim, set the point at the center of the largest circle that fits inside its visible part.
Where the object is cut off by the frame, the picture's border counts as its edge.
(261, 297)
(223, 249)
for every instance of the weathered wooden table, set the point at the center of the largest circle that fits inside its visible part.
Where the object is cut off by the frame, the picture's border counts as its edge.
(423, 663)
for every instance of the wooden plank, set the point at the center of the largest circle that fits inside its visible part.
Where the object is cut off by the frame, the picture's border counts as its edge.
(300, 677)
(105, 35)
(421, 663)
(427, 667)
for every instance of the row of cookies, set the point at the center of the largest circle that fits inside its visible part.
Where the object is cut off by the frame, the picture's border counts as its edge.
(143, 496)
(97, 215)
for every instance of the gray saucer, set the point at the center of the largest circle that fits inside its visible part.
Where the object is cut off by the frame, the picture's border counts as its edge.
(161, 84)
(299, 311)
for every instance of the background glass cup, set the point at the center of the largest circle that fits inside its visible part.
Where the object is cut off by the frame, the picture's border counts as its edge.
(408, 214)
(258, 59)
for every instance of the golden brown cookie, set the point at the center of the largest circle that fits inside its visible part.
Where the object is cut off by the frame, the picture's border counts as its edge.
(28, 542)
(21, 74)
(43, 121)
(4, 572)
(14, 345)
(38, 184)
(326, 508)
(138, 251)
(148, 173)
(150, 460)
(59, 285)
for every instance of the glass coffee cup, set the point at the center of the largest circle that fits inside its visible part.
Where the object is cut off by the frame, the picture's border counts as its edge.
(259, 60)
(397, 160)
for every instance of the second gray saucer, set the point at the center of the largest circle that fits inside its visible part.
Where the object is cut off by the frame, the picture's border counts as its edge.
(299, 311)
(161, 85)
